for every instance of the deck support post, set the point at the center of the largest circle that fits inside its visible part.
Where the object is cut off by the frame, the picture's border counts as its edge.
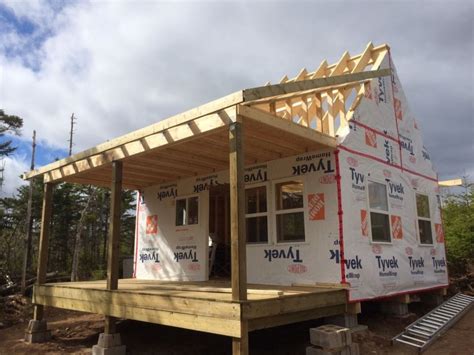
(237, 229)
(37, 330)
(109, 341)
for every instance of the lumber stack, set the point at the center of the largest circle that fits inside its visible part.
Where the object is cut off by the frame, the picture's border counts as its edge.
(331, 340)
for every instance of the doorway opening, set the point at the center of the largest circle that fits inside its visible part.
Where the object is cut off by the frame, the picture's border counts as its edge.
(219, 231)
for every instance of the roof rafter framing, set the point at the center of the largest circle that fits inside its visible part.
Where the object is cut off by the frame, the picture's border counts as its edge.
(313, 105)
(327, 109)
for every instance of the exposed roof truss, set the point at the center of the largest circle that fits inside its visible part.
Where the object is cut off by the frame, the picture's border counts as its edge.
(313, 106)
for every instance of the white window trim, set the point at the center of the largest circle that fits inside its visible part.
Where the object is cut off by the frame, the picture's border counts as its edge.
(423, 219)
(369, 210)
(293, 210)
(186, 197)
(260, 214)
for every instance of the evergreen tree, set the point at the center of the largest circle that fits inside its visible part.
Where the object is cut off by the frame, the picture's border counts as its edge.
(10, 124)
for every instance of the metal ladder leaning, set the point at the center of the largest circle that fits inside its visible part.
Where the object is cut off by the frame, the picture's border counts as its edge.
(421, 333)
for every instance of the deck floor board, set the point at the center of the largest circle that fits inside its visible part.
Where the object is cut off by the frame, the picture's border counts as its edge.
(204, 306)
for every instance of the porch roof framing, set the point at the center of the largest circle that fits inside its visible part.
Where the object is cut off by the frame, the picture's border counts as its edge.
(262, 108)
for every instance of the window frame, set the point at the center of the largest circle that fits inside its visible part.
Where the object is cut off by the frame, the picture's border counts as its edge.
(430, 219)
(260, 214)
(370, 210)
(277, 212)
(186, 198)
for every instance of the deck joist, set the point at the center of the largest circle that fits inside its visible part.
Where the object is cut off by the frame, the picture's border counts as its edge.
(202, 306)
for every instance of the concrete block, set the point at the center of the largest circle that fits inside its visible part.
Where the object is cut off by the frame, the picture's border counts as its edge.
(109, 344)
(394, 308)
(330, 336)
(352, 349)
(37, 331)
(346, 320)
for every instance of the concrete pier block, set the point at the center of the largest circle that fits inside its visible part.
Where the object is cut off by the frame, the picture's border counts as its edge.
(330, 336)
(109, 344)
(37, 331)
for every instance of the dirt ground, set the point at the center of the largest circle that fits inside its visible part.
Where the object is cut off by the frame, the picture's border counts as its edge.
(75, 332)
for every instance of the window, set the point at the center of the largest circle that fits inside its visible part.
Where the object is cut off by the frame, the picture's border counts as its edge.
(379, 216)
(256, 215)
(424, 219)
(289, 211)
(187, 211)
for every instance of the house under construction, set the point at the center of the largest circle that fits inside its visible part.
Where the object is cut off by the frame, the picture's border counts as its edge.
(269, 206)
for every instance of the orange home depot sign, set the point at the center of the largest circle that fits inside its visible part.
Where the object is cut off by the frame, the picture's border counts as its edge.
(439, 233)
(152, 224)
(316, 207)
(397, 227)
(364, 223)
(371, 138)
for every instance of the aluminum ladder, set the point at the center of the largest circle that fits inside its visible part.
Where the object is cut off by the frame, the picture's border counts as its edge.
(424, 331)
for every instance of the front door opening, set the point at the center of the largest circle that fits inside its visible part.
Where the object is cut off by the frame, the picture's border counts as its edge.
(219, 231)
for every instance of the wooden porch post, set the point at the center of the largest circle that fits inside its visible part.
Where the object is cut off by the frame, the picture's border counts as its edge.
(44, 243)
(237, 230)
(37, 330)
(114, 237)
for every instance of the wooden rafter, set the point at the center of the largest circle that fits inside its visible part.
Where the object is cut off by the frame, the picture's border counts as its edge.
(263, 92)
(311, 101)
(321, 108)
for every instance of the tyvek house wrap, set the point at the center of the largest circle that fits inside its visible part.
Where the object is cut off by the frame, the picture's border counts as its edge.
(165, 251)
(384, 145)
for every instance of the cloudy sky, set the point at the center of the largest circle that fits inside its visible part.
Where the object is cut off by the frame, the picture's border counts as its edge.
(122, 65)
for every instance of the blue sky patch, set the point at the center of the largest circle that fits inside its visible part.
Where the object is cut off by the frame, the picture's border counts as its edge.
(9, 21)
(45, 154)
(31, 33)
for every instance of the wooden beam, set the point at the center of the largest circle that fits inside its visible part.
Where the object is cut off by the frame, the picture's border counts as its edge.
(341, 65)
(215, 325)
(308, 301)
(164, 163)
(240, 346)
(304, 85)
(194, 157)
(113, 245)
(114, 226)
(237, 213)
(354, 308)
(286, 125)
(448, 183)
(44, 243)
(253, 150)
(272, 142)
(164, 299)
(288, 318)
(171, 123)
(321, 71)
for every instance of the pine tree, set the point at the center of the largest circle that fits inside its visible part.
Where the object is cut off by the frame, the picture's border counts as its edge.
(9, 124)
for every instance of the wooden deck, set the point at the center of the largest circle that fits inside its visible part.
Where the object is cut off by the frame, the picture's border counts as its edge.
(203, 306)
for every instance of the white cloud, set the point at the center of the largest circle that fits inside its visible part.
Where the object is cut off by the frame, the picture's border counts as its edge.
(13, 168)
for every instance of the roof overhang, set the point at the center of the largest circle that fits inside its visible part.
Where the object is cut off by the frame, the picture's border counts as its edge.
(196, 142)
